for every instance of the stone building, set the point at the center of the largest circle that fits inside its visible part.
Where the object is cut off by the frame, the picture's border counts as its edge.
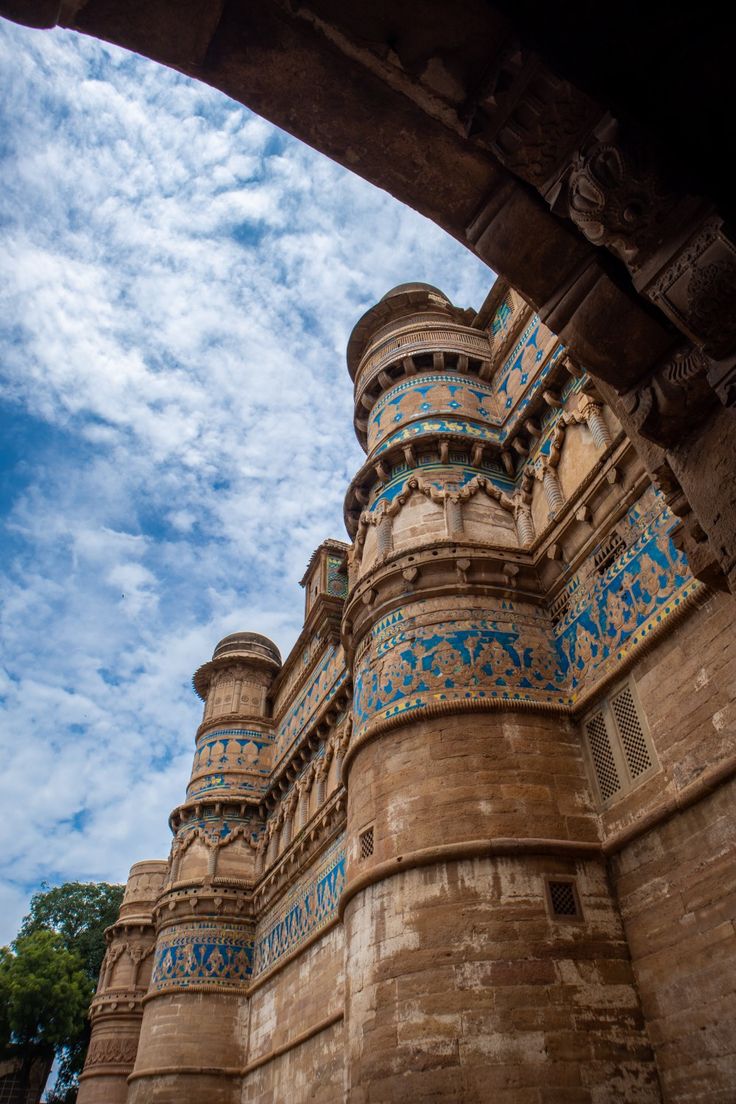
(472, 839)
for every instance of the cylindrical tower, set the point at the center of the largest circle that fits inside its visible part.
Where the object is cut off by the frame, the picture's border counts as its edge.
(195, 1010)
(116, 1010)
(485, 956)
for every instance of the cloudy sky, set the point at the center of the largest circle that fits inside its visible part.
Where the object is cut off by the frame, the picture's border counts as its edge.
(178, 280)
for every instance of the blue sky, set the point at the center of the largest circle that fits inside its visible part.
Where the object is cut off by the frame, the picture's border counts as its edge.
(178, 280)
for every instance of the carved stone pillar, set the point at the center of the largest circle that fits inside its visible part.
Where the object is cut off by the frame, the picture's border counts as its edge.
(302, 807)
(596, 423)
(553, 490)
(524, 523)
(321, 781)
(454, 517)
(385, 541)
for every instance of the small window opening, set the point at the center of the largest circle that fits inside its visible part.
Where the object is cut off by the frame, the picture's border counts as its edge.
(366, 843)
(563, 899)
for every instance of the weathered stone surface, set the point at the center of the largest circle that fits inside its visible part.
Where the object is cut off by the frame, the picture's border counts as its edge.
(473, 837)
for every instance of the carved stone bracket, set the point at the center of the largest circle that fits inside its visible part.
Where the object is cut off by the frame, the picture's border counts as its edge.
(695, 286)
(668, 406)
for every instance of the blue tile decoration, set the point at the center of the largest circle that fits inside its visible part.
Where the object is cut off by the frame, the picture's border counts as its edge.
(427, 660)
(501, 318)
(202, 953)
(471, 430)
(440, 392)
(309, 905)
(324, 684)
(232, 759)
(337, 578)
(611, 612)
(416, 659)
(528, 391)
(523, 360)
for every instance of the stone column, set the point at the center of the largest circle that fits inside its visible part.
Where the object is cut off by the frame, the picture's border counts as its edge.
(553, 490)
(385, 542)
(321, 779)
(117, 1008)
(593, 415)
(194, 1010)
(454, 517)
(524, 524)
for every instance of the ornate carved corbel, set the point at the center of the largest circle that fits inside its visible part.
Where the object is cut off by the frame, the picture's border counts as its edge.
(675, 397)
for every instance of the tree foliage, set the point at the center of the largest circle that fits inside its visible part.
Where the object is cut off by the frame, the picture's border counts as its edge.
(44, 996)
(79, 912)
(50, 973)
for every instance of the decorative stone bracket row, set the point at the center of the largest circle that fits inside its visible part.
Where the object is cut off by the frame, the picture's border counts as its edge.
(589, 412)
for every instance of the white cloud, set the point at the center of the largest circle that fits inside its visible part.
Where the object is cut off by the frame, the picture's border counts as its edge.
(178, 281)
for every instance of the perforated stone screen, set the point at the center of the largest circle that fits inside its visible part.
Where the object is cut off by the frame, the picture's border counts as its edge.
(563, 899)
(633, 740)
(601, 753)
(618, 744)
(366, 843)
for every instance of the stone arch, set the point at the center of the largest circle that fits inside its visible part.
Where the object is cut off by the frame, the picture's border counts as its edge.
(577, 211)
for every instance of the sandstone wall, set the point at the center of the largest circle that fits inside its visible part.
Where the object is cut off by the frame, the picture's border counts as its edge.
(462, 989)
(461, 983)
(288, 1006)
(191, 1049)
(677, 882)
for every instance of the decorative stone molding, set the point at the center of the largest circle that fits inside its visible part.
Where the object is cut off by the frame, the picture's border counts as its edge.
(417, 484)
(695, 285)
(545, 118)
(115, 1051)
(615, 197)
(665, 408)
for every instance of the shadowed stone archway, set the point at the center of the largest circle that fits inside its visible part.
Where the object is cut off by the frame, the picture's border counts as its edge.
(552, 146)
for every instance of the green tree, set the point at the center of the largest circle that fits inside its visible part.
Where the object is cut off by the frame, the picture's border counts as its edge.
(78, 913)
(44, 996)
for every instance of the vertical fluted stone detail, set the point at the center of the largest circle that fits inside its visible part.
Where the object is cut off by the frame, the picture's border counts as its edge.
(385, 537)
(454, 517)
(553, 490)
(524, 524)
(117, 1009)
(593, 415)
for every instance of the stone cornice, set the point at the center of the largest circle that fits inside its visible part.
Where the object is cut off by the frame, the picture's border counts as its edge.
(225, 720)
(463, 852)
(203, 675)
(216, 802)
(197, 900)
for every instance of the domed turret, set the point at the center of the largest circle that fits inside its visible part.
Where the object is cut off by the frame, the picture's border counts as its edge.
(236, 649)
